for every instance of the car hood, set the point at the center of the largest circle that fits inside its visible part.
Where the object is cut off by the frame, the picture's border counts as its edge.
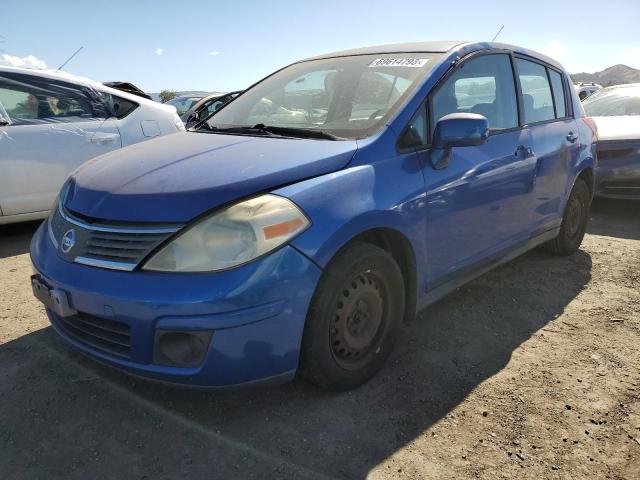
(625, 127)
(177, 177)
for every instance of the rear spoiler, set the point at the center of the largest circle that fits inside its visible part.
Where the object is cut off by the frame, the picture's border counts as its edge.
(129, 88)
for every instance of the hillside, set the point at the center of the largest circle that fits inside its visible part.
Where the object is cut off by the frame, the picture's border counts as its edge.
(610, 76)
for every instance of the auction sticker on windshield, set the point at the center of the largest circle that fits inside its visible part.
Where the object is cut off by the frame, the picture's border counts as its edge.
(399, 62)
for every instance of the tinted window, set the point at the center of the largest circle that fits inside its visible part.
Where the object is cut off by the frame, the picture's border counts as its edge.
(123, 107)
(536, 93)
(481, 85)
(558, 93)
(27, 103)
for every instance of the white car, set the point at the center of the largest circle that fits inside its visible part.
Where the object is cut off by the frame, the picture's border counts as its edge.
(616, 112)
(51, 122)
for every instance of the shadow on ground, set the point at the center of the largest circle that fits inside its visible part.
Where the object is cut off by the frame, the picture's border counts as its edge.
(15, 238)
(68, 417)
(615, 218)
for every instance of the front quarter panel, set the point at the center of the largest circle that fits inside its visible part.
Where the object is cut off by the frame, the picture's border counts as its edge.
(342, 205)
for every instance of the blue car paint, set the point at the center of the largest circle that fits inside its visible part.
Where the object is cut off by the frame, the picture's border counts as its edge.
(253, 311)
(175, 178)
(491, 203)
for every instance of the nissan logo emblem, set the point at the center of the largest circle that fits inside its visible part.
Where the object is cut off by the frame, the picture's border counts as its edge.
(68, 241)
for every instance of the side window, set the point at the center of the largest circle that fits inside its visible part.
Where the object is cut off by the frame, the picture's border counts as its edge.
(536, 92)
(19, 105)
(481, 85)
(558, 94)
(36, 103)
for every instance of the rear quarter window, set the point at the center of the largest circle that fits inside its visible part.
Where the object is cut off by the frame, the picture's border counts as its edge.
(123, 107)
(558, 94)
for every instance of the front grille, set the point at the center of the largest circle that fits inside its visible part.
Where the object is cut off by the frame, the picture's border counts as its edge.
(105, 335)
(120, 247)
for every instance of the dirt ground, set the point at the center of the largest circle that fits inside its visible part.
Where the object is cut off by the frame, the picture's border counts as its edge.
(531, 371)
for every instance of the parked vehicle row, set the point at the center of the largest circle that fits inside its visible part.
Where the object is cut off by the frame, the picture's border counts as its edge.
(52, 122)
(616, 111)
(297, 228)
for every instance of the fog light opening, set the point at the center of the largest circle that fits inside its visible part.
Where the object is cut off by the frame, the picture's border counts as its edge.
(181, 348)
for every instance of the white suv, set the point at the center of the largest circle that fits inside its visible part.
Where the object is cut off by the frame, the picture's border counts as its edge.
(51, 122)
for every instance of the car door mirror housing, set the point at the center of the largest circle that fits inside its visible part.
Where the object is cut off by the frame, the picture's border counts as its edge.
(457, 130)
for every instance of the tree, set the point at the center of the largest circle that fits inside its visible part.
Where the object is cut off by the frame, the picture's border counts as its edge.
(166, 95)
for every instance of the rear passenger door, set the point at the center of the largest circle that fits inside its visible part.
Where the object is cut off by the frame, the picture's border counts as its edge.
(546, 113)
(479, 206)
(54, 127)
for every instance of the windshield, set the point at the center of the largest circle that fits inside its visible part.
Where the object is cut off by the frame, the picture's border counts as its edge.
(183, 104)
(613, 101)
(349, 97)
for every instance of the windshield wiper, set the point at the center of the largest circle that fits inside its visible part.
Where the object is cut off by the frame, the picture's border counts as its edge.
(296, 132)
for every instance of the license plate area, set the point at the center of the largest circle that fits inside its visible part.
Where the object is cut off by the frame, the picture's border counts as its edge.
(53, 298)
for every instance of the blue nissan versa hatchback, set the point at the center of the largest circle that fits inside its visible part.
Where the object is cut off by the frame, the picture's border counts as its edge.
(296, 228)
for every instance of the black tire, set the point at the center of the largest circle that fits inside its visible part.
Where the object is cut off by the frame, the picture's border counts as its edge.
(354, 318)
(574, 221)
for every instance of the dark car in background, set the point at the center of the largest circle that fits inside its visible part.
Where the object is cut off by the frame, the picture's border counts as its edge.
(616, 112)
(195, 108)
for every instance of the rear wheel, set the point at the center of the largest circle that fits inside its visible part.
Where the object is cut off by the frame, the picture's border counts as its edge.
(574, 221)
(354, 318)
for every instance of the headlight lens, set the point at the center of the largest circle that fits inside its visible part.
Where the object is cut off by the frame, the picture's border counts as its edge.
(232, 236)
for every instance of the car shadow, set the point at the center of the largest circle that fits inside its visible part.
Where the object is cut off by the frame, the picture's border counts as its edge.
(294, 430)
(615, 218)
(15, 238)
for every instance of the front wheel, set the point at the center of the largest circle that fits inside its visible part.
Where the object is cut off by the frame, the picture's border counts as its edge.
(574, 221)
(354, 318)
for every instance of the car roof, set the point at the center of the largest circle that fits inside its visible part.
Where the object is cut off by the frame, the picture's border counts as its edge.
(434, 47)
(444, 46)
(75, 79)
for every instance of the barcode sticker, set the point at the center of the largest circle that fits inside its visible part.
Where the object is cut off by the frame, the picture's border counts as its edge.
(399, 62)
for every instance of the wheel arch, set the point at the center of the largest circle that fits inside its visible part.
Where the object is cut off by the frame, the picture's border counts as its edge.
(397, 244)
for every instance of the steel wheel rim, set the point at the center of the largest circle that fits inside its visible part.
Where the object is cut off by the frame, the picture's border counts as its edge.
(358, 320)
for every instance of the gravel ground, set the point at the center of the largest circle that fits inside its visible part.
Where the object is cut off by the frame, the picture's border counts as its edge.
(531, 371)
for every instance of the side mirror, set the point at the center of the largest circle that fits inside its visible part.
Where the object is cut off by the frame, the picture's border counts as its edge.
(457, 130)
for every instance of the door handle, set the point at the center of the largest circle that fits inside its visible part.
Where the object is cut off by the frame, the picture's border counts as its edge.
(572, 137)
(103, 139)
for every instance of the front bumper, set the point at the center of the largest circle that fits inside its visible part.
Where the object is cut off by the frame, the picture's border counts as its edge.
(256, 313)
(618, 172)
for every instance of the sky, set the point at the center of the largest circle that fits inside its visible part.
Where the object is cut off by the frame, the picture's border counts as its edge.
(225, 45)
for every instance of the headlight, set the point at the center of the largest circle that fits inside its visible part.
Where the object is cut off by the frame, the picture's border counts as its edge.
(232, 236)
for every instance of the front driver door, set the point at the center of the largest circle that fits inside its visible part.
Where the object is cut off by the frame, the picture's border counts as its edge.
(53, 129)
(479, 207)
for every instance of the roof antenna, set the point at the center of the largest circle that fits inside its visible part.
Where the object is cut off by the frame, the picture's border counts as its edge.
(496, 35)
(69, 59)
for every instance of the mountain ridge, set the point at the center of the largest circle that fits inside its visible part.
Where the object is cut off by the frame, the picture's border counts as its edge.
(614, 75)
